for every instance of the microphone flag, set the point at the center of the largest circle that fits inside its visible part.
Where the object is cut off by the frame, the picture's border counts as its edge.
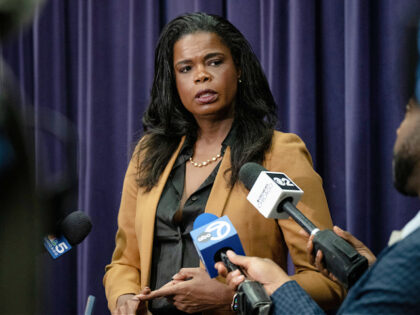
(212, 238)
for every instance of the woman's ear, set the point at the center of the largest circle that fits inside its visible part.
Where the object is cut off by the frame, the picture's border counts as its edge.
(239, 73)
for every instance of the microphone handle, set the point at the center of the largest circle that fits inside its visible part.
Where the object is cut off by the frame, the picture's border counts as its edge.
(251, 297)
(230, 266)
(298, 216)
(89, 305)
(340, 258)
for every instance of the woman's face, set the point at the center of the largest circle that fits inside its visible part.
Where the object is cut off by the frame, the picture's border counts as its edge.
(206, 76)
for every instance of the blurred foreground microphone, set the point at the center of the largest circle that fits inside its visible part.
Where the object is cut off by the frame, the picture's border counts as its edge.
(15, 13)
(22, 223)
(72, 231)
(212, 237)
(275, 196)
(89, 305)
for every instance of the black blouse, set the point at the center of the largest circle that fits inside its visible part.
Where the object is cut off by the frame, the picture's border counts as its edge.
(173, 248)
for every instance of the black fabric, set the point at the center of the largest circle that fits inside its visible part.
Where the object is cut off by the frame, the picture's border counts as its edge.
(173, 248)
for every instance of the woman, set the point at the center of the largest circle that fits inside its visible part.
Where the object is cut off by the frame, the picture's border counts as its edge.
(211, 111)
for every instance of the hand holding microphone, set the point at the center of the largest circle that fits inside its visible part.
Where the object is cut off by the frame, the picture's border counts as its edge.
(316, 258)
(263, 270)
(275, 196)
(213, 237)
(192, 289)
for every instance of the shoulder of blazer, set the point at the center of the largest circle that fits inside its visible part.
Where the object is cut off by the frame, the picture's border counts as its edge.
(286, 147)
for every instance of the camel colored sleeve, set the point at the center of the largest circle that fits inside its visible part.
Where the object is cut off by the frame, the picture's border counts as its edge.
(290, 155)
(122, 275)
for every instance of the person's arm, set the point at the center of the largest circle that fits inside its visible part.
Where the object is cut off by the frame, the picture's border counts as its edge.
(123, 273)
(287, 296)
(391, 285)
(289, 155)
(290, 298)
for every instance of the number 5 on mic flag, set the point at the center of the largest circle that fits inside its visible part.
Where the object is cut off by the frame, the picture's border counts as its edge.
(56, 246)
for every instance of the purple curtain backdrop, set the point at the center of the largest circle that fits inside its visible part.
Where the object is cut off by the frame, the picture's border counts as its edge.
(337, 70)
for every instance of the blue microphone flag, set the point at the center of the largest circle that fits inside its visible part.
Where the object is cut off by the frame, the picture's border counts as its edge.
(204, 219)
(56, 246)
(212, 237)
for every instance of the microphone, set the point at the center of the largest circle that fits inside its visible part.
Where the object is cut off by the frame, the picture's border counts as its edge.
(89, 305)
(267, 190)
(275, 196)
(16, 13)
(212, 237)
(72, 231)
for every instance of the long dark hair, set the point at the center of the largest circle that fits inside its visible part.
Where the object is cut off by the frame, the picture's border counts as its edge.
(166, 120)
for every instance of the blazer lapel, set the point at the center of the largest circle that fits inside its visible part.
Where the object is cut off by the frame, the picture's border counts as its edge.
(221, 188)
(148, 204)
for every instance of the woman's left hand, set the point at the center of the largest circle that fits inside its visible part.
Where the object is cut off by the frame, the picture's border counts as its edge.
(193, 291)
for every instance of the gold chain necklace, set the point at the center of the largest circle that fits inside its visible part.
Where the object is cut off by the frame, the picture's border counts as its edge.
(205, 163)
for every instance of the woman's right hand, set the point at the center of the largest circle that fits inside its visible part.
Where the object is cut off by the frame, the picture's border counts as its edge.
(128, 304)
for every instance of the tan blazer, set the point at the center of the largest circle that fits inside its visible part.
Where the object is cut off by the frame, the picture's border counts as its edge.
(131, 263)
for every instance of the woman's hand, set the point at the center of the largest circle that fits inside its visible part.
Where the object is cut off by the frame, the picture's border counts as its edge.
(192, 290)
(263, 270)
(358, 246)
(128, 304)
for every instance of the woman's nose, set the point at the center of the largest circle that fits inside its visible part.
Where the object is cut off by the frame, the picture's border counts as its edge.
(202, 76)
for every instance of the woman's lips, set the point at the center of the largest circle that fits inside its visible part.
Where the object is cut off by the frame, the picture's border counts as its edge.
(206, 96)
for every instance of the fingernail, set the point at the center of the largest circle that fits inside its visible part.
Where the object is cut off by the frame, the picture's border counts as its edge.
(240, 278)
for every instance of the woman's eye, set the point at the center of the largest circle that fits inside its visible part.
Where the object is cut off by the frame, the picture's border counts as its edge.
(185, 69)
(215, 62)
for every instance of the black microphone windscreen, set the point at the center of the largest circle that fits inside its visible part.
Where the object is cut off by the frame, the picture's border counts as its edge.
(75, 227)
(249, 173)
